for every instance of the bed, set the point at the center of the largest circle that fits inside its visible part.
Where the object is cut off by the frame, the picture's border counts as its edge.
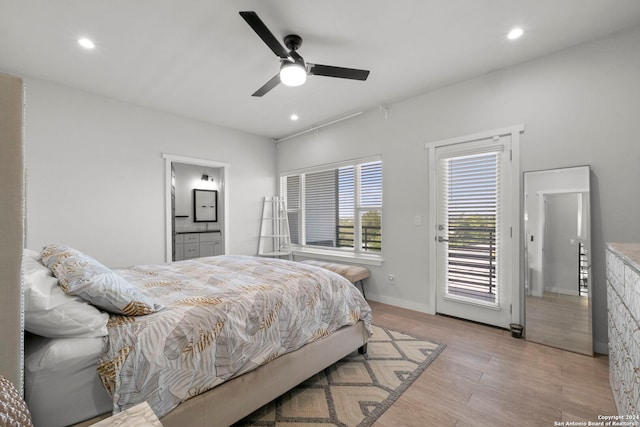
(188, 337)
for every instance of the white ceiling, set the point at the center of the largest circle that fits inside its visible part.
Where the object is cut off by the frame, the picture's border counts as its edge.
(199, 58)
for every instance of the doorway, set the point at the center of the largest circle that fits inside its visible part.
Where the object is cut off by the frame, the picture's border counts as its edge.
(474, 227)
(562, 212)
(186, 174)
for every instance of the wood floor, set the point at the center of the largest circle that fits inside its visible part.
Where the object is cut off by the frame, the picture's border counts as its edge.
(487, 378)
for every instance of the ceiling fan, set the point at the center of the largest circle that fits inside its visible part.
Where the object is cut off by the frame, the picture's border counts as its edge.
(293, 68)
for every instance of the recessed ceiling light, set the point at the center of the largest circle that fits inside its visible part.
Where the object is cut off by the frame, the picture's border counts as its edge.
(515, 33)
(294, 117)
(86, 43)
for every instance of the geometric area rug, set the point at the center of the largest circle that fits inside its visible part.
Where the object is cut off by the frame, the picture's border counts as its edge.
(354, 391)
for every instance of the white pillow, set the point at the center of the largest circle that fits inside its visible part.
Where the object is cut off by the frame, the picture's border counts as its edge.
(49, 312)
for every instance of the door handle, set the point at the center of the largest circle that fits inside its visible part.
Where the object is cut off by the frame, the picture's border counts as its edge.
(442, 239)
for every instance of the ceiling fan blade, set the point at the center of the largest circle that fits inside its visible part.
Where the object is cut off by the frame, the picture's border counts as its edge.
(268, 86)
(267, 36)
(341, 72)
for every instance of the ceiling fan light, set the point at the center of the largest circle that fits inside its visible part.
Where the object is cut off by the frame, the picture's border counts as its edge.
(293, 74)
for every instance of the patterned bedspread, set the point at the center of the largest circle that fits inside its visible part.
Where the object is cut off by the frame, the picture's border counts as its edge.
(223, 316)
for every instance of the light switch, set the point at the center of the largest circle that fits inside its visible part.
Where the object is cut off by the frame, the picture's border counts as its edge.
(417, 220)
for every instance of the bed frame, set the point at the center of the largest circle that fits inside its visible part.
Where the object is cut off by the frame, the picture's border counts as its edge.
(239, 397)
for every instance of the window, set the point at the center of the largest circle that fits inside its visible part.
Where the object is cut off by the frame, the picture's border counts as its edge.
(471, 207)
(337, 207)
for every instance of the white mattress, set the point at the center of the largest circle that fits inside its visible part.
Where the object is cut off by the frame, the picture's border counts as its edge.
(62, 386)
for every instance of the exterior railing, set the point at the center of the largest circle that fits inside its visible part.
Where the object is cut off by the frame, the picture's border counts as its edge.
(472, 262)
(371, 237)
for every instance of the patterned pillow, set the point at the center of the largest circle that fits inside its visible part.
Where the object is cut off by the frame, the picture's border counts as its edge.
(81, 275)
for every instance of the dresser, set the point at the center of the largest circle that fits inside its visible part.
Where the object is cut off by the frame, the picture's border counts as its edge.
(623, 303)
(194, 244)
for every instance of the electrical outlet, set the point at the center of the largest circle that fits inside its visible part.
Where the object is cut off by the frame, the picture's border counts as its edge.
(392, 279)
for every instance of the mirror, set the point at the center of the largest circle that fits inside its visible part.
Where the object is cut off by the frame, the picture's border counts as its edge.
(205, 205)
(557, 258)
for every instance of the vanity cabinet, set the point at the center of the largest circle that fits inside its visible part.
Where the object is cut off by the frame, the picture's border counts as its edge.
(623, 304)
(210, 244)
(190, 245)
(191, 250)
(178, 247)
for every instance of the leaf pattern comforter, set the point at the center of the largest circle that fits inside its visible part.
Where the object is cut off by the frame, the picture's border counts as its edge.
(223, 316)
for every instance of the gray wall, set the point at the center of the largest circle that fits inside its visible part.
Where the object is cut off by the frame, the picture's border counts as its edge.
(579, 107)
(95, 174)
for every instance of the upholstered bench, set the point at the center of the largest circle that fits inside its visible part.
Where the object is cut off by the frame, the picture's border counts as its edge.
(353, 273)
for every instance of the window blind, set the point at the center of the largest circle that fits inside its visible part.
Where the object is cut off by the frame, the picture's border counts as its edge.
(321, 201)
(371, 185)
(290, 187)
(346, 222)
(471, 191)
(370, 206)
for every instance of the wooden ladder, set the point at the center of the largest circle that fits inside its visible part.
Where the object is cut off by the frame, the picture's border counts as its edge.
(275, 239)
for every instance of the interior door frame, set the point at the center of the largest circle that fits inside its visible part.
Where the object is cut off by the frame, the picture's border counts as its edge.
(168, 160)
(515, 176)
